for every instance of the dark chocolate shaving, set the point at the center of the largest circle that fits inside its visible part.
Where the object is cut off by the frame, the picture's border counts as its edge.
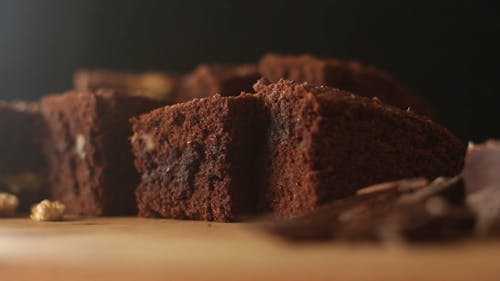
(433, 212)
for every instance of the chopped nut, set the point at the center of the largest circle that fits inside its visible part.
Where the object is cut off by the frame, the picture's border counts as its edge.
(150, 144)
(47, 211)
(133, 139)
(8, 204)
(146, 138)
(80, 146)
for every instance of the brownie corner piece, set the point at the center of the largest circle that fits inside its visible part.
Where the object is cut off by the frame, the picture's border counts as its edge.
(90, 165)
(197, 158)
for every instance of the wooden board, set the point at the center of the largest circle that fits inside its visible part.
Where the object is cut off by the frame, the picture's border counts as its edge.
(142, 249)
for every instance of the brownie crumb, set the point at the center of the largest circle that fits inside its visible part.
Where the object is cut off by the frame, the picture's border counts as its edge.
(47, 211)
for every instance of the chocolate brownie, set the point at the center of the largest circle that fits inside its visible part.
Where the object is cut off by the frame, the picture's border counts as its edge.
(197, 159)
(153, 84)
(482, 180)
(410, 210)
(210, 79)
(351, 76)
(324, 144)
(91, 168)
(21, 161)
(307, 145)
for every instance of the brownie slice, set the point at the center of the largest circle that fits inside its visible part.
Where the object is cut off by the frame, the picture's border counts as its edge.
(21, 161)
(210, 79)
(153, 84)
(91, 168)
(351, 76)
(324, 144)
(198, 159)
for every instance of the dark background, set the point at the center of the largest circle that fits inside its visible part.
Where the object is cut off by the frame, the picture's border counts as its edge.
(445, 50)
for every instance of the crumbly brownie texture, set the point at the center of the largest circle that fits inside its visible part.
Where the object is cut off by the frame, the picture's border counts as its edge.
(324, 144)
(225, 80)
(91, 168)
(410, 210)
(21, 160)
(346, 75)
(198, 158)
(157, 85)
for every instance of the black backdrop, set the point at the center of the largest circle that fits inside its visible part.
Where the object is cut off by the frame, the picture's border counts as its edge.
(445, 50)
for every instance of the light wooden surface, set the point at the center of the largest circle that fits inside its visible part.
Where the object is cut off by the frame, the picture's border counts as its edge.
(142, 249)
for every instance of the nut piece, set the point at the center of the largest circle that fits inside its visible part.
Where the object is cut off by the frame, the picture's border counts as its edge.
(47, 211)
(150, 143)
(8, 204)
(80, 146)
